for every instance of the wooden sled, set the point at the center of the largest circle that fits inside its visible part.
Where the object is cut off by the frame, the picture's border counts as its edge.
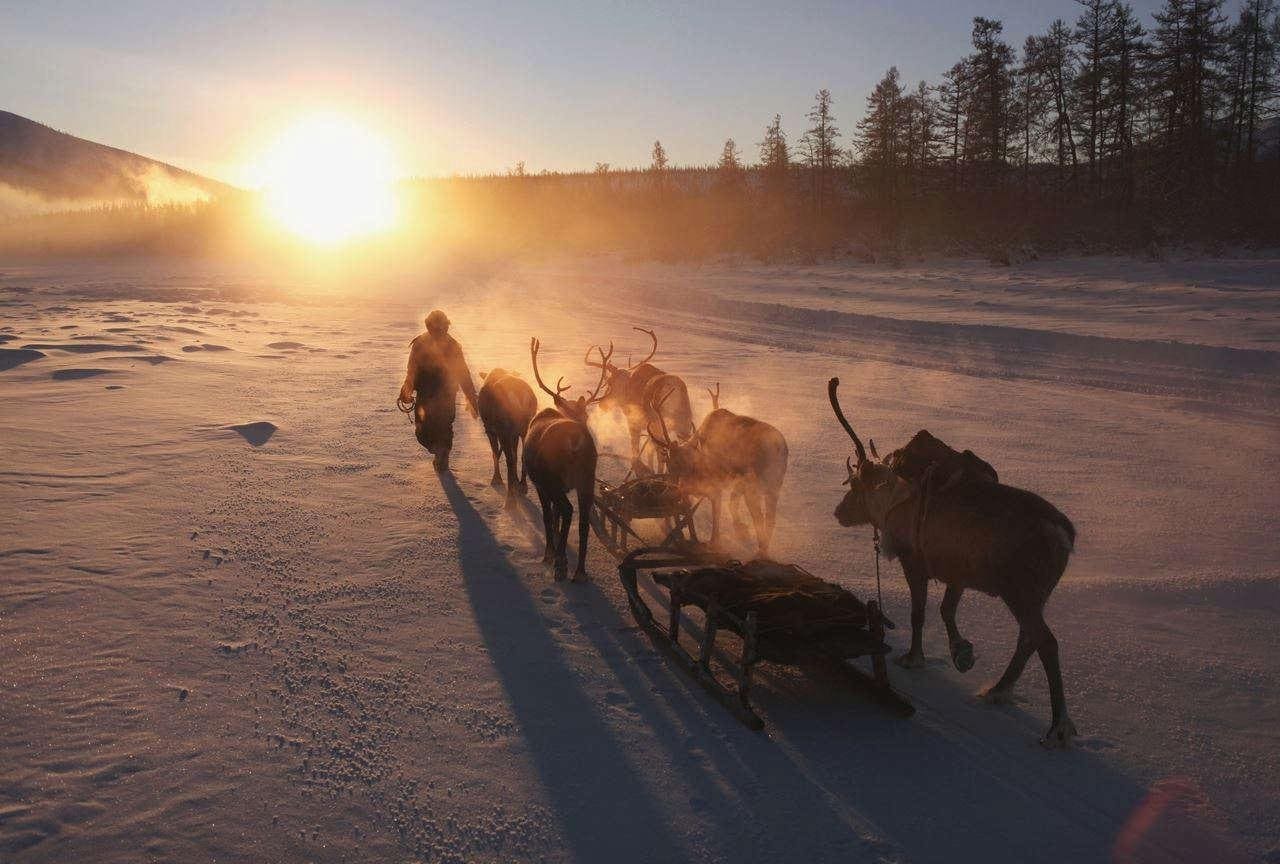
(615, 508)
(779, 612)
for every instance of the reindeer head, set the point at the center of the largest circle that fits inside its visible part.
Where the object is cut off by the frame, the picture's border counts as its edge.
(683, 456)
(874, 489)
(617, 379)
(577, 408)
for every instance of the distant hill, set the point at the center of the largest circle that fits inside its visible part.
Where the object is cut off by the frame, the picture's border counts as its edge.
(44, 169)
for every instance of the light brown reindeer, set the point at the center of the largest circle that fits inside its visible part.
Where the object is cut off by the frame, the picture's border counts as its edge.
(734, 454)
(560, 456)
(646, 396)
(966, 530)
(506, 405)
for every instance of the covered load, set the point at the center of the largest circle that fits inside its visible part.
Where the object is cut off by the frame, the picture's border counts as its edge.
(796, 613)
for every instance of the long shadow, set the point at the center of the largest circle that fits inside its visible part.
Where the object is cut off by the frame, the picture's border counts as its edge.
(835, 779)
(752, 803)
(836, 774)
(606, 810)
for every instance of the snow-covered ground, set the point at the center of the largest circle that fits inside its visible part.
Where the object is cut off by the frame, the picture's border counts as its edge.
(301, 644)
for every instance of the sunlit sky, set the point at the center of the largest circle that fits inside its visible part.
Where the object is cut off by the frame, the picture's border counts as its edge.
(476, 86)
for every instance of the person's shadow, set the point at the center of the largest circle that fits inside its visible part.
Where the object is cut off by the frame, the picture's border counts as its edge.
(606, 811)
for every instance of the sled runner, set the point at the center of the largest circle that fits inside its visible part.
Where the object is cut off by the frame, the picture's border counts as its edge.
(778, 612)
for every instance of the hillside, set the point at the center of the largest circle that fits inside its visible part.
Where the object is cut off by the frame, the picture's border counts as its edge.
(42, 168)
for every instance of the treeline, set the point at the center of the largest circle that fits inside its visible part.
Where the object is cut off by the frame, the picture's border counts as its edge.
(1164, 131)
(1102, 133)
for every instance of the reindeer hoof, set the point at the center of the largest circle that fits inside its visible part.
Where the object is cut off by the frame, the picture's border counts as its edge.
(581, 576)
(562, 571)
(962, 655)
(511, 503)
(1060, 735)
(910, 661)
(496, 481)
(993, 696)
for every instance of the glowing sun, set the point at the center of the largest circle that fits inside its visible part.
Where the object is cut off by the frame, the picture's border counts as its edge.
(328, 179)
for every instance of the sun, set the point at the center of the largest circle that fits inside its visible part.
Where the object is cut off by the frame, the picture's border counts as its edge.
(328, 179)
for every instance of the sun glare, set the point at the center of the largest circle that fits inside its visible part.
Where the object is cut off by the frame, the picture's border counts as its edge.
(327, 179)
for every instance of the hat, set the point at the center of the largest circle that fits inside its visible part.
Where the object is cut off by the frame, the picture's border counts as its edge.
(437, 320)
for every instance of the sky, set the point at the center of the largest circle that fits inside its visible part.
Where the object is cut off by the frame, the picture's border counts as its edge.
(472, 87)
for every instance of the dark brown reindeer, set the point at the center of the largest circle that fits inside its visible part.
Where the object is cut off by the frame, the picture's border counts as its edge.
(646, 396)
(560, 456)
(506, 404)
(968, 533)
(731, 453)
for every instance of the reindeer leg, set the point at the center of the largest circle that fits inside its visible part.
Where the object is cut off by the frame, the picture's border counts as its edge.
(715, 518)
(509, 449)
(770, 514)
(548, 554)
(1061, 730)
(586, 497)
(738, 493)
(961, 648)
(1034, 636)
(914, 658)
(524, 469)
(751, 498)
(564, 514)
(1001, 692)
(496, 448)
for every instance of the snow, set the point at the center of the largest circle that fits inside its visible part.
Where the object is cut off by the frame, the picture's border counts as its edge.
(242, 619)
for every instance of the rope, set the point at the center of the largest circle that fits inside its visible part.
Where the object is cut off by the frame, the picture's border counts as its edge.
(875, 539)
(407, 407)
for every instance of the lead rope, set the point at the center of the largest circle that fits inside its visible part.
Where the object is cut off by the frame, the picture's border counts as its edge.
(875, 535)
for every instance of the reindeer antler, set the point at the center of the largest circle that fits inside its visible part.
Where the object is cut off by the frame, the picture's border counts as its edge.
(835, 406)
(652, 352)
(534, 347)
(715, 396)
(604, 363)
(604, 370)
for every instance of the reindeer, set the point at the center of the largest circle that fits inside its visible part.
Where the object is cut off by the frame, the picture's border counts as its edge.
(506, 405)
(968, 533)
(647, 397)
(560, 456)
(731, 453)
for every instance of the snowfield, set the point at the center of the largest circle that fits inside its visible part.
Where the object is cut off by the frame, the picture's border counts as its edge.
(242, 619)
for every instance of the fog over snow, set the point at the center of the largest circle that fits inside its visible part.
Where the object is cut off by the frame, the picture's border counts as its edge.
(244, 620)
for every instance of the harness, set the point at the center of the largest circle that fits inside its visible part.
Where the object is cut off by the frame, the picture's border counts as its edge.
(922, 514)
(917, 539)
